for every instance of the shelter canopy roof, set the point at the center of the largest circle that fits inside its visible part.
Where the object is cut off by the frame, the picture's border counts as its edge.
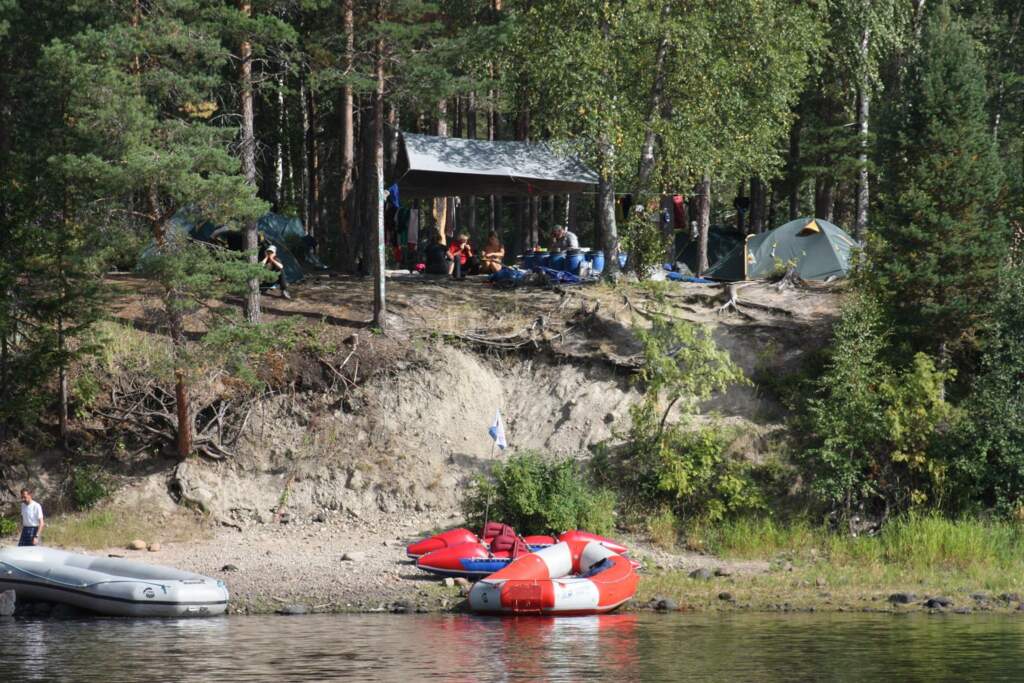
(431, 166)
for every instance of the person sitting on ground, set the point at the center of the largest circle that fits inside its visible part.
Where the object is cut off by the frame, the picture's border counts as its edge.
(271, 262)
(564, 240)
(492, 254)
(436, 257)
(32, 521)
(462, 256)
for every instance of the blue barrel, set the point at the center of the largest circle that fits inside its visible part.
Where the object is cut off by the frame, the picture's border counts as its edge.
(597, 260)
(557, 261)
(544, 261)
(573, 262)
(622, 259)
(529, 260)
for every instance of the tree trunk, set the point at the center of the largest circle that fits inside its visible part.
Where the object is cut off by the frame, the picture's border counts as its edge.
(441, 203)
(471, 134)
(757, 206)
(793, 171)
(379, 306)
(824, 197)
(606, 208)
(740, 227)
(653, 109)
(348, 149)
(279, 148)
(181, 402)
(863, 106)
(62, 386)
(703, 200)
(312, 166)
(494, 202)
(252, 294)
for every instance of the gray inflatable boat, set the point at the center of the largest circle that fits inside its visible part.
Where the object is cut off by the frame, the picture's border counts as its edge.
(109, 585)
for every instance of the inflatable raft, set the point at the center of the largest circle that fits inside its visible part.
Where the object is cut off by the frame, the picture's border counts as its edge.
(109, 586)
(567, 579)
(477, 560)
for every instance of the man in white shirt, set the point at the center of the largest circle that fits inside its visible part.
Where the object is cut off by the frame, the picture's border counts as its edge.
(564, 240)
(32, 521)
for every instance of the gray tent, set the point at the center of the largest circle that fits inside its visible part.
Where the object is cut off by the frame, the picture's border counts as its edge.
(819, 250)
(431, 166)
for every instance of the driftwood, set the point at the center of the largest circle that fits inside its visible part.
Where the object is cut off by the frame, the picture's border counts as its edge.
(147, 410)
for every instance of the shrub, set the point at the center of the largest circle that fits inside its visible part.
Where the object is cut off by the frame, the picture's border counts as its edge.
(874, 427)
(676, 465)
(664, 529)
(89, 485)
(646, 243)
(540, 495)
(8, 526)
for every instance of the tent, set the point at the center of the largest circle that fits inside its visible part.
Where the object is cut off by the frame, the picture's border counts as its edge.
(721, 240)
(186, 223)
(432, 166)
(819, 249)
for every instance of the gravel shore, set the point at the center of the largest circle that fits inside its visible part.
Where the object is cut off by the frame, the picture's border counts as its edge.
(343, 564)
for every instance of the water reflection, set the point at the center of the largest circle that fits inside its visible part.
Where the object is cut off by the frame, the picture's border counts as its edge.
(464, 648)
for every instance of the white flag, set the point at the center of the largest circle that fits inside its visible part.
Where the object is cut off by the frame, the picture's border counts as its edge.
(497, 431)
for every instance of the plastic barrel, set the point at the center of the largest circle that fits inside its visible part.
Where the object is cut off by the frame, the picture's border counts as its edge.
(557, 261)
(544, 261)
(622, 259)
(573, 262)
(530, 260)
(597, 259)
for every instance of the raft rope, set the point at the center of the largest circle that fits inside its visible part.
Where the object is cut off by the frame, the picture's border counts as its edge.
(50, 579)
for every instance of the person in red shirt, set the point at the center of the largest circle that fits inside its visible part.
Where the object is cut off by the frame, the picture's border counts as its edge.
(462, 255)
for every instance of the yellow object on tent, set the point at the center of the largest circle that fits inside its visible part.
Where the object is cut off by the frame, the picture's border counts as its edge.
(809, 229)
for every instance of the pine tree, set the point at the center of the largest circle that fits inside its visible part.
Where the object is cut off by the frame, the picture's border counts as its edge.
(943, 239)
(144, 141)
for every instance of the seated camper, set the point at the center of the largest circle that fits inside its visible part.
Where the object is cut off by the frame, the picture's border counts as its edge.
(491, 255)
(564, 240)
(271, 262)
(463, 260)
(437, 259)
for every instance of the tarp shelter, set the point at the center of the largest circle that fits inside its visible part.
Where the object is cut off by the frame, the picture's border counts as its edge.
(721, 241)
(819, 249)
(432, 166)
(184, 222)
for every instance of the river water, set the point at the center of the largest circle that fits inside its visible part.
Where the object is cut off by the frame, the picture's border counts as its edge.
(619, 647)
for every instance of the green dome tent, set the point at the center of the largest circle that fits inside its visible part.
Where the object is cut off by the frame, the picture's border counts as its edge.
(187, 223)
(819, 249)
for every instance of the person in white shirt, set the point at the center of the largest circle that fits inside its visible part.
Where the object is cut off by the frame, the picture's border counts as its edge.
(564, 240)
(32, 521)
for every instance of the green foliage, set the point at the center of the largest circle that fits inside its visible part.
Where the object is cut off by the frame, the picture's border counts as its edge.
(685, 468)
(643, 238)
(537, 495)
(90, 484)
(8, 526)
(943, 239)
(680, 466)
(990, 467)
(874, 427)
(664, 529)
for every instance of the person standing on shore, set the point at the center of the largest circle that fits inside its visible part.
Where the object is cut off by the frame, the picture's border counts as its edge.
(32, 521)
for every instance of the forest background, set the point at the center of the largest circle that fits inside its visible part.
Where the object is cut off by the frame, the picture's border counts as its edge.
(900, 120)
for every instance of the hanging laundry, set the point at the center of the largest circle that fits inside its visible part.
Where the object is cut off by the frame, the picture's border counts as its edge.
(667, 210)
(679, 211)
(413, 236)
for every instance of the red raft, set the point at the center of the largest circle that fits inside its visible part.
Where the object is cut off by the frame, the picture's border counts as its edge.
(454, 537)
(567, 579)
(480, 559)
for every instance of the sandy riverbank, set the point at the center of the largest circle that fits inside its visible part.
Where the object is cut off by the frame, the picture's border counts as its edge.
(275, 567)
